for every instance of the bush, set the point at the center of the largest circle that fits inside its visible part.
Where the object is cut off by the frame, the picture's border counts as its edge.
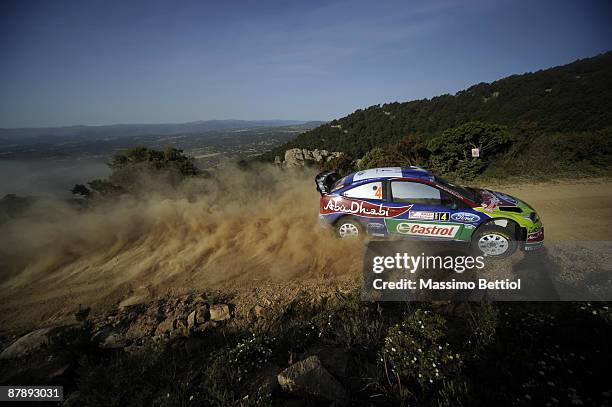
(133, 168)
(342, 164)
(452, 150)
(371, 159)
(415, 355)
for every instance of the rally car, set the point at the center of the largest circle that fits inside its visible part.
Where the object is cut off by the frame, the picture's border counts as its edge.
(413, 203)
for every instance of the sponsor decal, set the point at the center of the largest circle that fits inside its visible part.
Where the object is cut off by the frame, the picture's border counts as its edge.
(489, 201)
(506, 198)
(536, 236)
(450, 191)
(360, 208)
(424, 215)
(418, 229)
(465, 217)
(376, 226)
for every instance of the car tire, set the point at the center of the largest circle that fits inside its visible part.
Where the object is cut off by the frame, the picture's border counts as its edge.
(495, 242)
(349, 228)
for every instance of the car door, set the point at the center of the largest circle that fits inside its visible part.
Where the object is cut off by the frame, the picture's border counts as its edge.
(430, 215)
(370, 193)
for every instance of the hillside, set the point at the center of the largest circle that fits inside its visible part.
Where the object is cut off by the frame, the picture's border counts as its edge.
(572, 98)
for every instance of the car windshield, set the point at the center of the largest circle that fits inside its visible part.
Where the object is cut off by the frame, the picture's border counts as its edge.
(466, 192)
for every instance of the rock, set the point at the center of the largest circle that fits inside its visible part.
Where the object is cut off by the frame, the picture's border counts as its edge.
(109, 339)
(220, 312)
(277, 160)
(260, 312)
(191, 320)
(180, 327)
(202, 314)
(28, 343)
(143, 326)
(206, 326)
(309, 378)
(334, 359)
(166, 326)
(295, 157)
(198, 317)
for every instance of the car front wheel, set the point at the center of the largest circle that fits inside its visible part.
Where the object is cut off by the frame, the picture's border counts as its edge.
(495, 242)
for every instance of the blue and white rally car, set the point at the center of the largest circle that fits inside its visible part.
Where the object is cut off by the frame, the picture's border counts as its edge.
(412, 203)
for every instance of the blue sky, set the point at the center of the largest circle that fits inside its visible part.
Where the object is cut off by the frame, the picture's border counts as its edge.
(90, 62)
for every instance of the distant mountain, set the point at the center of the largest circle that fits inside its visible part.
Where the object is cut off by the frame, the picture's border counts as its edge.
(122, 130)
(571, 98)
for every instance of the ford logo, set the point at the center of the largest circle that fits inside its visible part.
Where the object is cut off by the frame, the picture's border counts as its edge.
(465, 217)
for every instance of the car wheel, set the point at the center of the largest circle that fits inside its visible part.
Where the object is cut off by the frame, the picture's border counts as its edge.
(494, 242)
(349, 228)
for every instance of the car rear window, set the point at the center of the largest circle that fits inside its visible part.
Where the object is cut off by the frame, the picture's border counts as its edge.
(371, 190)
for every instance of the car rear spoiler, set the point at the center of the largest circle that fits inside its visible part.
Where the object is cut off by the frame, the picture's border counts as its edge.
(325, 180)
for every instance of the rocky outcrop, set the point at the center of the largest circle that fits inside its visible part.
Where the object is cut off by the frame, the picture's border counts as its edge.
(299, 157)
(220, 312)
(308, 378)
(29, 343)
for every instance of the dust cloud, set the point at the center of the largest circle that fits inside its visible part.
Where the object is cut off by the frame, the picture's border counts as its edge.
(237, 226)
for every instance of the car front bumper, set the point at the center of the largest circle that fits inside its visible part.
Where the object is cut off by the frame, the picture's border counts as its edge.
(534, 241)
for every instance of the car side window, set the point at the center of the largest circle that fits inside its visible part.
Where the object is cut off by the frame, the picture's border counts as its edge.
(371, 190)
(415, 193)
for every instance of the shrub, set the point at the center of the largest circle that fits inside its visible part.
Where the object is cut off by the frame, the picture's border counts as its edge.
(415, 356)
(451, 151)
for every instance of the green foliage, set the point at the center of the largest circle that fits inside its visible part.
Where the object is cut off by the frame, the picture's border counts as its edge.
(133, 168)
(372, 159)
(538, 352)
(342, 165)
(351, 324)
(171, 158)
(451, 151)
(249, 355)
(415, 354)
(229, 370)
(574, 154)
(562, 103)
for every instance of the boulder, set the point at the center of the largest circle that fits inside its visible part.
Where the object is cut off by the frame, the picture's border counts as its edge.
(109, 339)
(308, 378)
(294, 158)
(29, 343)
(220, 312)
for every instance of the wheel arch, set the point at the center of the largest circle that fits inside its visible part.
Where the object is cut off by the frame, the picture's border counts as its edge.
(347, 216)
(519, 233)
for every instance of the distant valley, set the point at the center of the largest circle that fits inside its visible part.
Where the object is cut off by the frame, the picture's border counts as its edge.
(49, 161)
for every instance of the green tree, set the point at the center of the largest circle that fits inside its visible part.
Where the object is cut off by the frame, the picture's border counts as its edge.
(134, 167)
(451, 152)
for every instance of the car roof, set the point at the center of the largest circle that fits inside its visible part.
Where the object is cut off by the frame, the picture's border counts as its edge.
(389, 172)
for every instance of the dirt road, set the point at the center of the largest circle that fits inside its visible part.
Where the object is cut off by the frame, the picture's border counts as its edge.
(235, 236)
(571, 211)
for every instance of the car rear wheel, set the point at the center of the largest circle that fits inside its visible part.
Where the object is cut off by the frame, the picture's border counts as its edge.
(348, 228)
(495, 242)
